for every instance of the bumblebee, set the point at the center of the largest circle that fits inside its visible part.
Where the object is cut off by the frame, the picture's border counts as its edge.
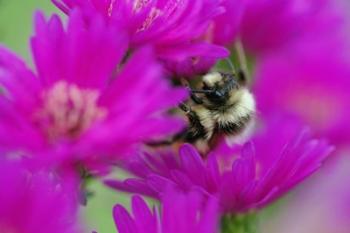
(222, 106)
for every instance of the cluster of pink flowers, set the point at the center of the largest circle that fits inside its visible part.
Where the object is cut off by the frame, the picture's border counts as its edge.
(106, 85)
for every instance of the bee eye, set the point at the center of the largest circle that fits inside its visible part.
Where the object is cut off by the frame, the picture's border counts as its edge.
(218, 94)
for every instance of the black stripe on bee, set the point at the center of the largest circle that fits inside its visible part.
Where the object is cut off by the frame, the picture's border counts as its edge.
(195, 129)
(233, 128)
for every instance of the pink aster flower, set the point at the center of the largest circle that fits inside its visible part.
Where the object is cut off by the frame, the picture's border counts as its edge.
(265, 26)
(279, 157)
(83, 104)
(225, 27)
(177, 29)
(312, 83)
(179, 214)
(302, 60)
(317, 93)
(269, 25)
(35, 203)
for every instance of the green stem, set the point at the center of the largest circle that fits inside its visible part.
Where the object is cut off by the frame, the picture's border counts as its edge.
(242, 58)
(239, 223)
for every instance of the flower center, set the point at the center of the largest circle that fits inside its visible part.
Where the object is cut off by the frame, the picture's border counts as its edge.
(317, 106)
(68, 111)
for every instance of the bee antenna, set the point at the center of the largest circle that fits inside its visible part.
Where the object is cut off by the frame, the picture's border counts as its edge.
(231, 65)
(202, 91)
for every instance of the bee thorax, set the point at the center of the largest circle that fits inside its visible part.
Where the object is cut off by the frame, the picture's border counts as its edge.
(211, 78)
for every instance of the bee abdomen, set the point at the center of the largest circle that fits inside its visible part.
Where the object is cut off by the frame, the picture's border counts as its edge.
(235, 127)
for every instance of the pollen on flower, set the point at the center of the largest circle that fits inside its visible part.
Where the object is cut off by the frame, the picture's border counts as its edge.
(139, 4)
(166, 11)
(110, 8)
(68, 111)
(154, 14)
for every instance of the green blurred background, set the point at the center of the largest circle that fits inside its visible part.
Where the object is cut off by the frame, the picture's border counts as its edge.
(16, 18)
(16, 22)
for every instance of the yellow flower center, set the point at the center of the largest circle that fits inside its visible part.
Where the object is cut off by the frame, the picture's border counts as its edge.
(68, 111)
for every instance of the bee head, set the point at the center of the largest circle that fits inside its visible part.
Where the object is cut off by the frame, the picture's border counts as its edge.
(218, 85)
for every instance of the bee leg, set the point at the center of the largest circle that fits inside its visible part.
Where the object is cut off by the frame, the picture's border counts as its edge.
(160, 143)
(196, 99)
(191, 134)
(180, 136)
(184, 107)
(195, 128)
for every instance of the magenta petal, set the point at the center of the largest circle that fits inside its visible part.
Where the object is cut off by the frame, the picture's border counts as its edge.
(179, 213)
(242, 177)
(123, 220)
